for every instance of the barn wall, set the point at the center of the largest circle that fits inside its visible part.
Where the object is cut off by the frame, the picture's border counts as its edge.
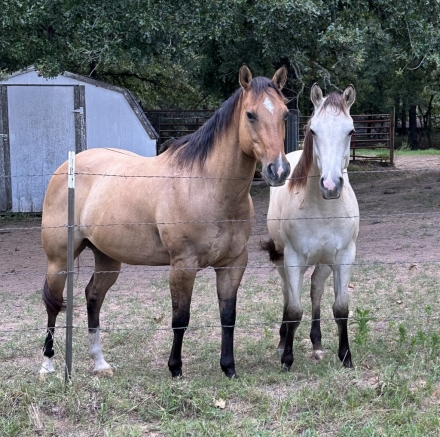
(40, 124)
(110, 119)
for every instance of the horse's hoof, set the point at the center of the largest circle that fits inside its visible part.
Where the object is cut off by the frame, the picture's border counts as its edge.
(104, 373)
(318, 355)
(177, 374)
(231, 375)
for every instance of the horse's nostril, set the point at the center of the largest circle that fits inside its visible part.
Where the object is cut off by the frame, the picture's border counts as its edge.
(271, 171)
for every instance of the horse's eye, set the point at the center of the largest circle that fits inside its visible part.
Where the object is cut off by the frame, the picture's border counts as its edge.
(351, 132)
(312, 132)
(286, 116)
(251, 116)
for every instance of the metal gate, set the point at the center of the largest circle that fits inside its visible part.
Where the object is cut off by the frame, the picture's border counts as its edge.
(372, 132)
(177, 123)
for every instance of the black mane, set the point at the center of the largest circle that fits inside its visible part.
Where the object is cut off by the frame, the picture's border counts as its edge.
(198, 145)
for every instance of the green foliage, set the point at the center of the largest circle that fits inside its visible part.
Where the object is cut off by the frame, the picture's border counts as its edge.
(187, 54)
(360, 320)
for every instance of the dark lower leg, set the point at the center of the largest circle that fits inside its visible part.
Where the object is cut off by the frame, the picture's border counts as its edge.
(179, 324)
(228, 281)
(48, 342)
(53, 307)
(292, 322)
(315, 332)
(319, 276)
(227, 317)
(283, 333)
(181, 286)
(344, 353)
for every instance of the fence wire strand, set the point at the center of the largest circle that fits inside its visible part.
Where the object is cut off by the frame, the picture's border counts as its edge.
(231, 221)
(164, 269)
(273, 324)
(167, 268)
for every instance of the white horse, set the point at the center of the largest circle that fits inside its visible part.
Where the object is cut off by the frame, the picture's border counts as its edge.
(314, 220)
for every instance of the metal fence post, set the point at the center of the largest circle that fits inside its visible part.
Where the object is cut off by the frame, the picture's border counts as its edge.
(70, 263)
(291, 142)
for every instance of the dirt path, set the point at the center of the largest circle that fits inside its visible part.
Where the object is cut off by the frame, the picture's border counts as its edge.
(400, 222)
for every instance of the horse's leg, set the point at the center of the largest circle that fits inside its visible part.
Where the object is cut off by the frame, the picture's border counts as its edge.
(181, 287)
(341, 278)
(294, 270)
(53, 300)
(320, 274)
(105, 275)
(228, 281)
(283, 328)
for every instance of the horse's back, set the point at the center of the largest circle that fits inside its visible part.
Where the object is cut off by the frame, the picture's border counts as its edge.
(110, 187)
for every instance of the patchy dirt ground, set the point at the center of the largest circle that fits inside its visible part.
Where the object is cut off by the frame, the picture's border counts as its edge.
(400, 222)
(399, 209)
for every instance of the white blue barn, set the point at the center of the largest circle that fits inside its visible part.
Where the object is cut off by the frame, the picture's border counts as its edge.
(42, 119)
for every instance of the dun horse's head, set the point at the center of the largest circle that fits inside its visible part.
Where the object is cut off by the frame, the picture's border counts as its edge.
(262, 123)
(332, 128)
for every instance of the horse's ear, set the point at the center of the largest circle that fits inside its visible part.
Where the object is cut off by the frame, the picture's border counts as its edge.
(245, 77)
(349, 96)
(280, 77)
(316, 95)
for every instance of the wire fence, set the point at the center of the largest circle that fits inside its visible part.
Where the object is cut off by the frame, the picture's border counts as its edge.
(88, 269)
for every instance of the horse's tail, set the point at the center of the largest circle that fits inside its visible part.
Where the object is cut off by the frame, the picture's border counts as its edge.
(53, 304)
(269, 246)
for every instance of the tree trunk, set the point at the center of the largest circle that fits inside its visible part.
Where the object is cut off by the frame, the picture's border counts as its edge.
(412, 134)
(403, 126)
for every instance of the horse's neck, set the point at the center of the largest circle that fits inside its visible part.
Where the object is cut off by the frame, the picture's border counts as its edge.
(312, 188)
(232, 169)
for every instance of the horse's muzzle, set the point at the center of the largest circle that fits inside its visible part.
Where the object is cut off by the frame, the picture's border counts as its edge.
(276, 174)
(334, 192)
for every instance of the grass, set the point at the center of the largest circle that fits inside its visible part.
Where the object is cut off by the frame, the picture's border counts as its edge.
(424, 152)
(9, 217)
(394, 390)
(384, 154)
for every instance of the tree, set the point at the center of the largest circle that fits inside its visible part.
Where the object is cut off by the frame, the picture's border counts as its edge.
(187, 54)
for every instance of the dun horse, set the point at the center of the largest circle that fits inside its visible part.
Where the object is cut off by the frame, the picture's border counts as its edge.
(193, 201)
(314, 220)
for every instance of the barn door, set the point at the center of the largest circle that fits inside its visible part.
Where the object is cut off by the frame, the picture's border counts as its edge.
(44, 123)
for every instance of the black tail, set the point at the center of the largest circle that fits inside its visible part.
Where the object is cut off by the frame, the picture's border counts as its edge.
(53, 304)
(269, 246)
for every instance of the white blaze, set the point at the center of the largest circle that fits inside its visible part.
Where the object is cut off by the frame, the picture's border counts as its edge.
(268, 104)
(280, 166)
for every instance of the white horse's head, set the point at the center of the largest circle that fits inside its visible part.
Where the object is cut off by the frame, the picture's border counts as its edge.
(331, 126)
